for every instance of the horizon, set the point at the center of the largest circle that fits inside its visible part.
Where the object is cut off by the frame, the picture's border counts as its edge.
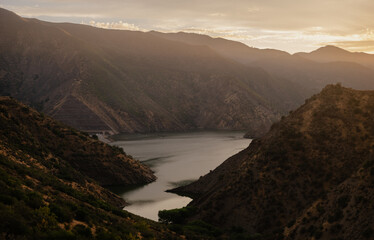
(269, 25)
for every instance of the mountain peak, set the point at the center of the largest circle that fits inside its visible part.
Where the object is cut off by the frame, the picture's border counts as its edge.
(330, 49)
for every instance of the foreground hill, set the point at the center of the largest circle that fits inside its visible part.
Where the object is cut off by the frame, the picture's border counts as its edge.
(310, 177)
(44, 189)
(123, 81)
(37, 135)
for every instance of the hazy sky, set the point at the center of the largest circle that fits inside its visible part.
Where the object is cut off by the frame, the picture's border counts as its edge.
(290, 25)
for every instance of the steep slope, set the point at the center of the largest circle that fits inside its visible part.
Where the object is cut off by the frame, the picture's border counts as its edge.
(313, 155)
(45, 192)
(345, 213)
(25, 128)
(334, 54)
(123, 81)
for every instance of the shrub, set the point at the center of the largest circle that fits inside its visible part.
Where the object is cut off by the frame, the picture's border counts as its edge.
(58, 234)
(82, 215)
(343, 201)
(177, 216)
(34, 200)
(62, 213)
(368, 233)
(81, 230)
(338, 214)
(14, 224)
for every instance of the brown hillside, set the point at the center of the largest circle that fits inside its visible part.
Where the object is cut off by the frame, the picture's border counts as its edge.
(44, 189)
(313, 155)
(22, 127)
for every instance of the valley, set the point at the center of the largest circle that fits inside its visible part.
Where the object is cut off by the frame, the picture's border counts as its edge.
(113, 134)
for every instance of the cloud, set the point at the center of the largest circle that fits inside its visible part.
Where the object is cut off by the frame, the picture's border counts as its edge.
(284, 24)
(356, 46)
(116, 25)
(217, 14)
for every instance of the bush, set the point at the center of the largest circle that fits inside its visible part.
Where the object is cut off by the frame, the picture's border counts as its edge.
(368, 233)
(81, 230)
(34, 200)
(82, 215)
(14, 224)
(62, 213)
(338, 214)
(176, 216)
(202, 228)
(59, 234)
(8, 200)
(104, 235)
(343, 201)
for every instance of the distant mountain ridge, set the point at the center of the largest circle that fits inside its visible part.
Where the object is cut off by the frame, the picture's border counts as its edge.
(334, 54)
(310, 177)
(123, 81)
(309, 71)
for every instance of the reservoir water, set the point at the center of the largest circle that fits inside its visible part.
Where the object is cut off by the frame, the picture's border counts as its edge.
(176, 160)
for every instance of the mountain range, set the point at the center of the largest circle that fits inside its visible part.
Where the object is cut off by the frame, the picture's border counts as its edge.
(100, 80)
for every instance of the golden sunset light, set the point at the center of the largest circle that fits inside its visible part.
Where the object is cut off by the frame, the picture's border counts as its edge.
(186, 120)
(262, 24)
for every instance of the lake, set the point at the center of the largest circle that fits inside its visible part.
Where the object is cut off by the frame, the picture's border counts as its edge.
(176, 159)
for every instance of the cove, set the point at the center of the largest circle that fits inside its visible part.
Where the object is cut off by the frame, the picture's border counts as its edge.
(177, 159)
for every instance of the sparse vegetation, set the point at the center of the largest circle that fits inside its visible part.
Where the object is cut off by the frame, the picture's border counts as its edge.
(43, 197)
(301, 175)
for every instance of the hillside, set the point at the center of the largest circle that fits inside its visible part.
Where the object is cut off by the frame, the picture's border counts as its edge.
(310, 177)
(45, 192)
(124, 81)
(38, 135)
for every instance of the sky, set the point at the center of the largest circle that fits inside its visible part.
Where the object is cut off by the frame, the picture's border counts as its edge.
(289, 25)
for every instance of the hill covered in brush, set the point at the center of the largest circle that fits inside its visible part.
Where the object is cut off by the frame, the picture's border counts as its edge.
(38, 135)
(310, 177)
(50, 176)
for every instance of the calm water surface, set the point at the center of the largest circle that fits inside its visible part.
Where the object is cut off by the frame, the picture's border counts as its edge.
(176, 159)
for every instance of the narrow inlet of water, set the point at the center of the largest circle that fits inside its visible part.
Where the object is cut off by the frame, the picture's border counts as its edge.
(177, 159)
